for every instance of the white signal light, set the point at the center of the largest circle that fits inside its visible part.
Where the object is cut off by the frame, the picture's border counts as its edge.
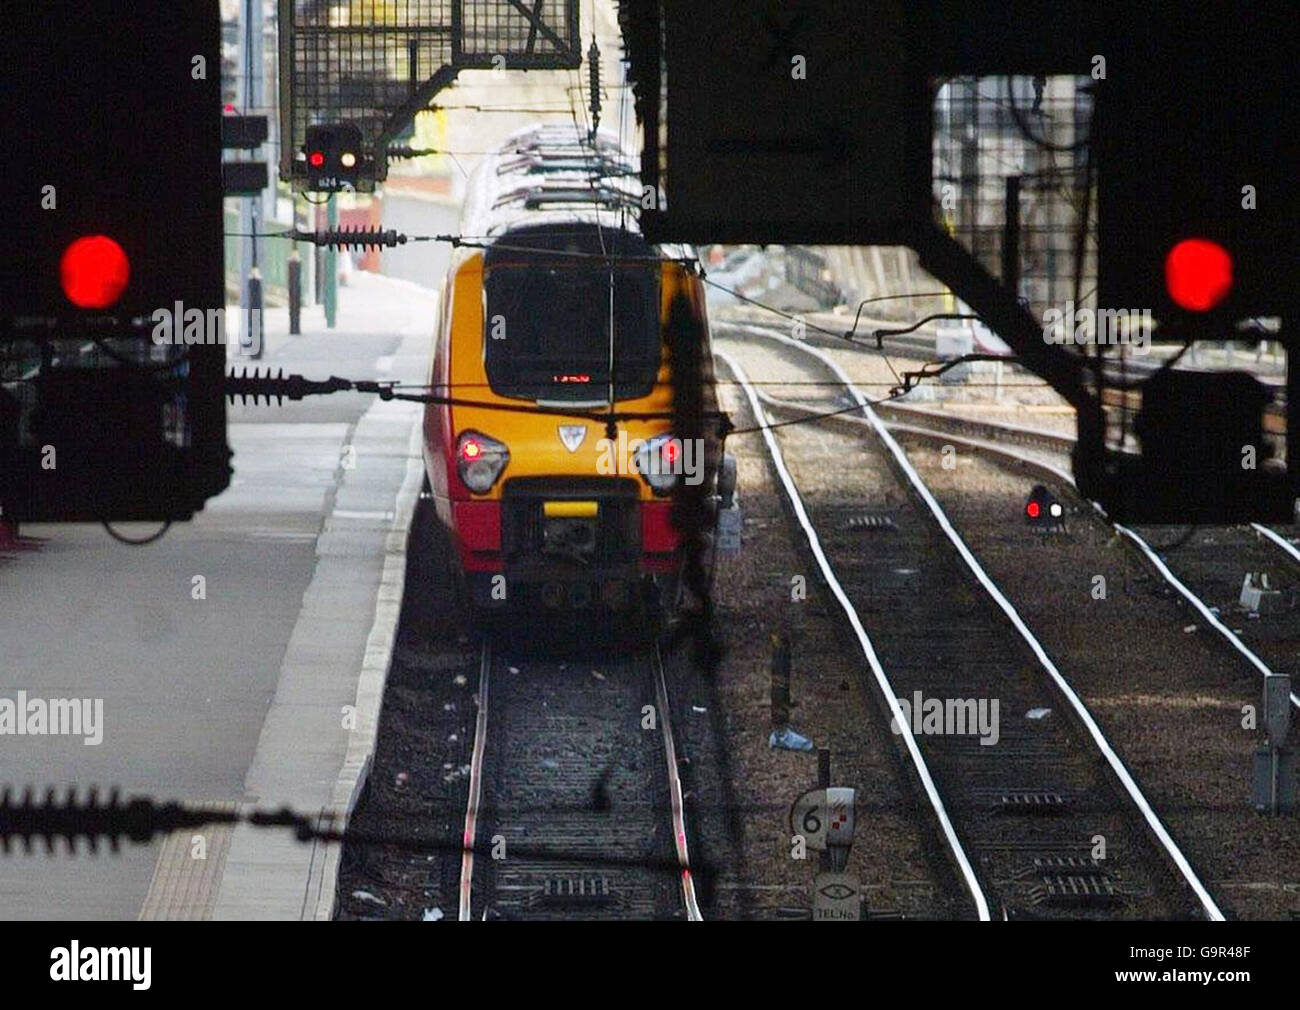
(348, 160)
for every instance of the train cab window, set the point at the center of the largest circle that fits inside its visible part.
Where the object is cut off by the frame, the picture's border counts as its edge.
(548, 317)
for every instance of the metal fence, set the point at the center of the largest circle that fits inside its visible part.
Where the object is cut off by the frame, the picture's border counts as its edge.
(1014, 149)
(541, 34)
(376, 63)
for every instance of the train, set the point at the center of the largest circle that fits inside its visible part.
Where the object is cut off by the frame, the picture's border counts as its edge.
(550, 454)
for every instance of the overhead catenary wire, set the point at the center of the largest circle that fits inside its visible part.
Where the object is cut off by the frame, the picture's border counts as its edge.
(807, 325)
(1029, 135)
(342, 237)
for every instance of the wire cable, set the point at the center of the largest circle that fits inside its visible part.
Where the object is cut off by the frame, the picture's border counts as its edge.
(1029, 135)
(141, 542)
(800, 319)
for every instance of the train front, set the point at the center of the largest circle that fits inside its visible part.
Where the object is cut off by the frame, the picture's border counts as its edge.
(552, 503)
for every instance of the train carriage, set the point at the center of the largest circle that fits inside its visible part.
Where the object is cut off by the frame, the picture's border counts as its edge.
(554, 469)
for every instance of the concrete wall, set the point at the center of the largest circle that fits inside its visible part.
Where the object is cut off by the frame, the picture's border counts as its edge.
(873, 271)
(415, 213)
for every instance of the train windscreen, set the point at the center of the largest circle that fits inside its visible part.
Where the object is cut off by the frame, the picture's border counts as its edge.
(551, 300)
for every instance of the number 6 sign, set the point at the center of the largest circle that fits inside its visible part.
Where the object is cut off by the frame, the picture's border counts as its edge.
(824, 817)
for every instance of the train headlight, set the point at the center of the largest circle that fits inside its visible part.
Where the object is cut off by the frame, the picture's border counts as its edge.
(658, 461)
(480, 460)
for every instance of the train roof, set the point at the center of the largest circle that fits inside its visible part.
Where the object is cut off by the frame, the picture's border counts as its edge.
(546, 175)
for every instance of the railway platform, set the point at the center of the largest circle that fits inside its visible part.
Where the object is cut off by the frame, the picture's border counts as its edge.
(240, 658)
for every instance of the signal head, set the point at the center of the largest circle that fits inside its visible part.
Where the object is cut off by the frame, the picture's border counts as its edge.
(94, 271)
(1042, 509)
(1198, 274)
(333, 157)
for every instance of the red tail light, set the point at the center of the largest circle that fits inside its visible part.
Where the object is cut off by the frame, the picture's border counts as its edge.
(657, 462)
(94, 272)
(480, 460)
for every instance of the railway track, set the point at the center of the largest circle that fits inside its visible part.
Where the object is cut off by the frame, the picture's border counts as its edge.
(575, 806)
(1049, 452)
(1022, 817)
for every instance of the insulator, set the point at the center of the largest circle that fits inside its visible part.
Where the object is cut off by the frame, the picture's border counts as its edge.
(400, 151)
(352, 238)
(593, 68)
(28, 820)
(268, 387)
(255, 385)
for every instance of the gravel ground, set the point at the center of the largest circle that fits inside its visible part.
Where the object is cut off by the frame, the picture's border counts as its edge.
(841, 472)
(418, 784)
(1150, 684)
(1214, 560)
(1153, 676)
(1012, 395)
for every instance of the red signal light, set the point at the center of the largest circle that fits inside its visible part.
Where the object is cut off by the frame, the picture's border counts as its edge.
(316, 159)
(470, 449)
(94, 272)
(1033, 510)
(1198, 274)
(670, 450)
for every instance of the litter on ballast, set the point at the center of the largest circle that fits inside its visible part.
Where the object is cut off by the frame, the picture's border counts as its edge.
(788, 739)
